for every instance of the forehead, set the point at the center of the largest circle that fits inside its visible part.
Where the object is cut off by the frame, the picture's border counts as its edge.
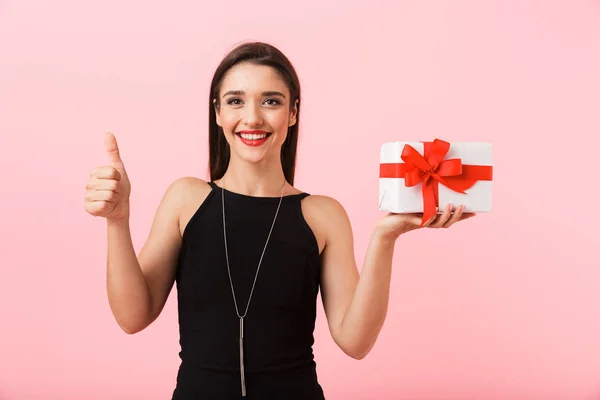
(251, 78)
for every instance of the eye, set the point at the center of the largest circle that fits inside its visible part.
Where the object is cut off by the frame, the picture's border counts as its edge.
(272, 102)
(234, 101)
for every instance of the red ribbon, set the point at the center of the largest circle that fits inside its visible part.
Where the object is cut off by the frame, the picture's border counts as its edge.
(430, 169)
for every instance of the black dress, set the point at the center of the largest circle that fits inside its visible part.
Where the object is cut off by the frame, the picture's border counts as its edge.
(278, 328)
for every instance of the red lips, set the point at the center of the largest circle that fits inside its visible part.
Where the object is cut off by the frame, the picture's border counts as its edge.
(253, 142)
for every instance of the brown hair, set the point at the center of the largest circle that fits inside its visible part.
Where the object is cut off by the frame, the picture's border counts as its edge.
(261, 54)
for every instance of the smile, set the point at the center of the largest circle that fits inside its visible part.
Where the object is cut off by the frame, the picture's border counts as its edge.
(254, 137)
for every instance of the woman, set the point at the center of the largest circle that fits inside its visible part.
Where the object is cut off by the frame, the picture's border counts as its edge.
(248, 251)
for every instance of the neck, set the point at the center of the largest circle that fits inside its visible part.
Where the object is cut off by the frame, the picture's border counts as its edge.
(259, 180)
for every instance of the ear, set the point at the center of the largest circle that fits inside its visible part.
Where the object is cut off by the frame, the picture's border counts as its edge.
(217, 112)
(294, 114)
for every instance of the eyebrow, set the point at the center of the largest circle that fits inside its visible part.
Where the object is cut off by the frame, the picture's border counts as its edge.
(241, 92)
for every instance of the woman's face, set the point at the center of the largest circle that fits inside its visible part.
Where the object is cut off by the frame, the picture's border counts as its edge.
(254, 112)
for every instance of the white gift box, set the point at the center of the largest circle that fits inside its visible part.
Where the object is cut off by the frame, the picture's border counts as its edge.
(475, 161)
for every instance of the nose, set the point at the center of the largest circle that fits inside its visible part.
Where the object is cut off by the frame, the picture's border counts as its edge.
(252, 115)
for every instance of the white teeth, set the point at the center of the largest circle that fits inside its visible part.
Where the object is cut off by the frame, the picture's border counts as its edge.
(253, 136)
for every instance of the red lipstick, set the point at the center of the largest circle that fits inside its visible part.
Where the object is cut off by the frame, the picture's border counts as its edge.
(253, 137)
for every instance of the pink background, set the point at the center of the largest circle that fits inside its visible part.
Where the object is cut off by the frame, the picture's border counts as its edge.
(503, 306)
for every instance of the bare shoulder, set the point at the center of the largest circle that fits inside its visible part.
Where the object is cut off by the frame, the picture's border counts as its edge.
(189, 185)
(323, 213)
(324, 205)
(189, 192)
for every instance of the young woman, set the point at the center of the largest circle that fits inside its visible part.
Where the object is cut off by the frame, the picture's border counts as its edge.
(248, 251)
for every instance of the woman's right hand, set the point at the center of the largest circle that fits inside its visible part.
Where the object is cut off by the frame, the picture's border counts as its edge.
(108, 189)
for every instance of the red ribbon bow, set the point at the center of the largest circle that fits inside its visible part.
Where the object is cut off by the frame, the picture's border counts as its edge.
(430, 169)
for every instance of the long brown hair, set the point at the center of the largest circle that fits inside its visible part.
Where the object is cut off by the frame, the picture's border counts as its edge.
(261, 54)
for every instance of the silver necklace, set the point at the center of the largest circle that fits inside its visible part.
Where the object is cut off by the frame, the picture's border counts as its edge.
(242, 316)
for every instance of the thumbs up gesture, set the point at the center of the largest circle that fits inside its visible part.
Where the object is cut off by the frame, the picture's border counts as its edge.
(108, 189)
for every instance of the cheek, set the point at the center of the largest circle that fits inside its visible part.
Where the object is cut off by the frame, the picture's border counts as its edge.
(229, 120)
(279, 122)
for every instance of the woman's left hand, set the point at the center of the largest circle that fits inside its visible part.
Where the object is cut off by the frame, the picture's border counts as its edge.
(393, 225)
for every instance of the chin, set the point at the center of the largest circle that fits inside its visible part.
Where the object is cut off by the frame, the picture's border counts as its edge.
(251, 158)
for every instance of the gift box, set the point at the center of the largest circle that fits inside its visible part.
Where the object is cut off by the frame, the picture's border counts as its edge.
(424, 177)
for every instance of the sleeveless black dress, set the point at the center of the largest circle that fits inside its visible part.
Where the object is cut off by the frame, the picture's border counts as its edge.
(279, 325)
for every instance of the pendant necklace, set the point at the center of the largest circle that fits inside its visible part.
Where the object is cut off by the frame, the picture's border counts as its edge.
(242, 316)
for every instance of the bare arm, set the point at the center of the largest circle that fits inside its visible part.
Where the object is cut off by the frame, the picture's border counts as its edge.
(138, 287)
(359, 317)
(356, 305)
